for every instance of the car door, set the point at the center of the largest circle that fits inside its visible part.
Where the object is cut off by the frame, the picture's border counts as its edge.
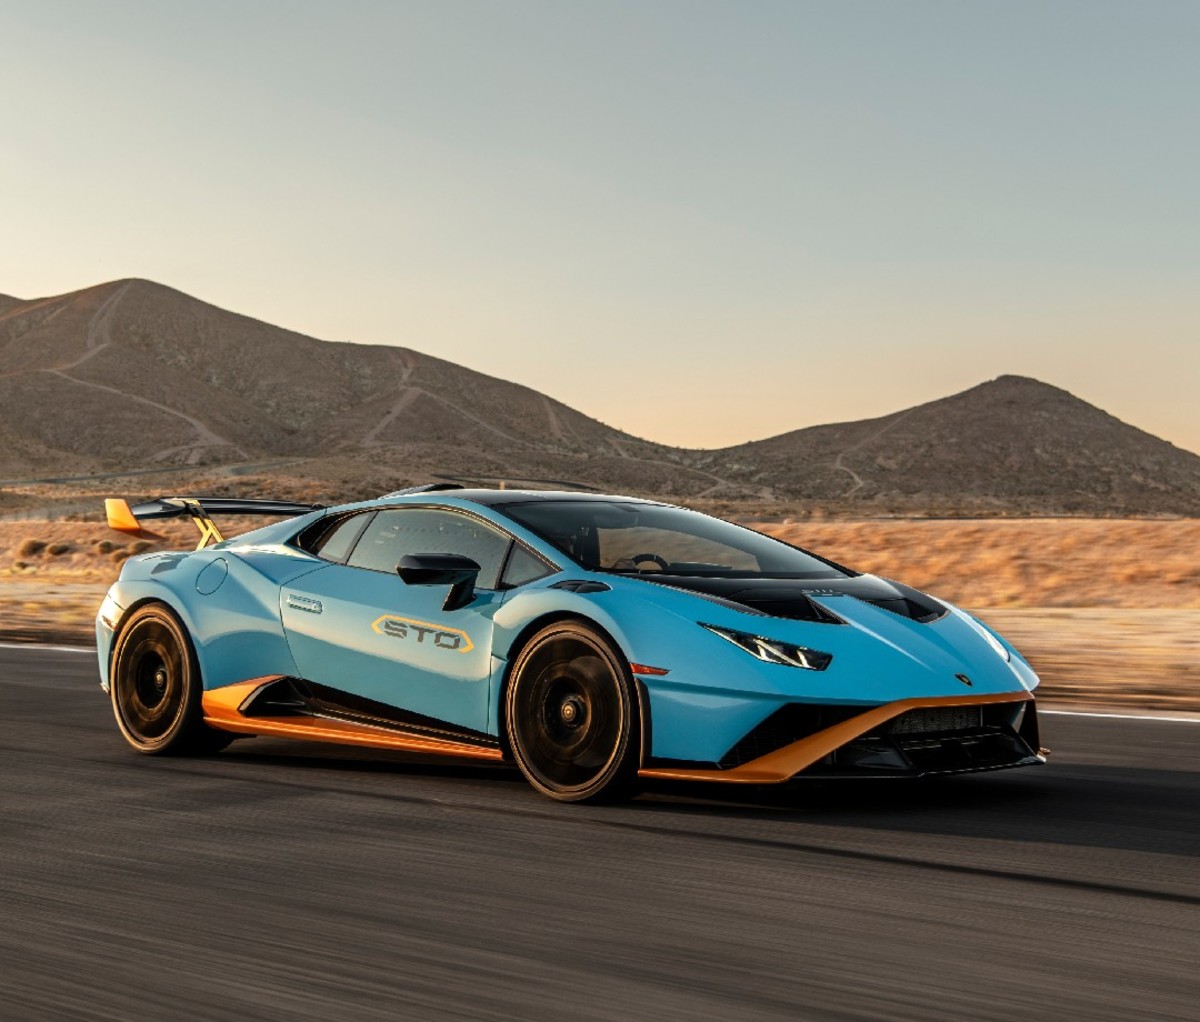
(358, 629)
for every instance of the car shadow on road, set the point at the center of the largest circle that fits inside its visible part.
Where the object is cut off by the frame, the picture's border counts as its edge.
(1131, 808)
(348, 759)
(1136, 809)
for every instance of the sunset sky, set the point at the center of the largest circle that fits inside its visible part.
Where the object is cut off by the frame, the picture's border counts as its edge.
(703, 223)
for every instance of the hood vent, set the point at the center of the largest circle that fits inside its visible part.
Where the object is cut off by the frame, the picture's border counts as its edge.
(792, 604)
(909, 603)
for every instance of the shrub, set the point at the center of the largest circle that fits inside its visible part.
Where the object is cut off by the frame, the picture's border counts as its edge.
(31, 547)
(104, 546)
(58, 549)
(139, 547)
(118, 555)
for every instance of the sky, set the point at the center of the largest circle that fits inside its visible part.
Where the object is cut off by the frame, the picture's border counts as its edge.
(703, 223)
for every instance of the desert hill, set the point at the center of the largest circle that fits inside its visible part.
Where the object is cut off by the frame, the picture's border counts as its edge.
(1013, 443)
(132, 374)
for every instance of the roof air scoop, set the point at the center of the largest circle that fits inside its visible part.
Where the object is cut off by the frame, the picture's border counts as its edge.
(426, 488)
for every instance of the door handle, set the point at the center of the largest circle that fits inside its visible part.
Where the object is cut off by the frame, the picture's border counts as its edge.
(304, 603)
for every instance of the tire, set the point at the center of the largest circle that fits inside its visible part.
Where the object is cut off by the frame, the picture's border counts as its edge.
(156, 687)
(573, 720)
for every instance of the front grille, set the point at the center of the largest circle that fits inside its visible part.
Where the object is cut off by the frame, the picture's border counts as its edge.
(937, 720)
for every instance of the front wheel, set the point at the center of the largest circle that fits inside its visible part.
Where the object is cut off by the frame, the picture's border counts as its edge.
(156, 687)
(572, 718)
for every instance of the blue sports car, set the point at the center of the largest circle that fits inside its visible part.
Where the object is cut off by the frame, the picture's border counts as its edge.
(594, 641)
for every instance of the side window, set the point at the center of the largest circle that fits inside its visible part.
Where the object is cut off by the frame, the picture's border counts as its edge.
(523, 566)
(335, 542)
(422, 530)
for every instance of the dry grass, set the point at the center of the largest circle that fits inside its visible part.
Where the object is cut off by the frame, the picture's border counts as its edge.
(1119, 659)
(35, 610)
(1024, 563)
(85, 551)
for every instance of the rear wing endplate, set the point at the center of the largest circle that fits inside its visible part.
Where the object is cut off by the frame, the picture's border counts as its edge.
(128, 519)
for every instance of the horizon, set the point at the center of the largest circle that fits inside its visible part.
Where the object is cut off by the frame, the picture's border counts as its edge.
(796, 214)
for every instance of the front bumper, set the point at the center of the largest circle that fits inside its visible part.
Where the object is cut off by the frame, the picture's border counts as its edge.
(908, 738)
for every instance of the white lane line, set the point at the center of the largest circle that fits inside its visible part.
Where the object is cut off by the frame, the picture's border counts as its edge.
(52, 649)
(1118, 716)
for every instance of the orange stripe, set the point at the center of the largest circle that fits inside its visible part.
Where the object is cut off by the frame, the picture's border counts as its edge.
(220, 707)
(785, 763)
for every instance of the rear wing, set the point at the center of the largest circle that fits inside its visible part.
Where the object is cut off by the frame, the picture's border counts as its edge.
(124, 518)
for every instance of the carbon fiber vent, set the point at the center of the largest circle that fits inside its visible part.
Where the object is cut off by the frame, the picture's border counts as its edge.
(786, 725)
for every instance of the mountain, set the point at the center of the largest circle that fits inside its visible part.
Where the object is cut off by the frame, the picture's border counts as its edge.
(132, 374)
(1012, 444)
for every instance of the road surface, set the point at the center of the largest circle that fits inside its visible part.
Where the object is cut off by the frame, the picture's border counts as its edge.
(299, 882)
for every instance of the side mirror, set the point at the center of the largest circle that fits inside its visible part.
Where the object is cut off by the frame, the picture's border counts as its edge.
(454, 570)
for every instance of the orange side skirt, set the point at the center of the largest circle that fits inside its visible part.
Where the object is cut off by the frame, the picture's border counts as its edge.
(221, 711)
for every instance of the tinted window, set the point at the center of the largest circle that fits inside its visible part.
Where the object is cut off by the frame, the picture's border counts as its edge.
(335, 543)
(524, 566)
(418, 530)
(621, 536)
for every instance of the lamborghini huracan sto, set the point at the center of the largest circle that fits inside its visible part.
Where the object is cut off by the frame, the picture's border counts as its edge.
(593, 641)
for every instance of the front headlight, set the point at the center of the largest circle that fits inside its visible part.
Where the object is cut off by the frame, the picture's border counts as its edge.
(772, 651)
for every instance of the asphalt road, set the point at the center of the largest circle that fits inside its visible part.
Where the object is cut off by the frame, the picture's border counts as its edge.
(290, 881)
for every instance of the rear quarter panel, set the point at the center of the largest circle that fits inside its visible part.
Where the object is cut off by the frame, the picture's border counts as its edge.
(227, 598)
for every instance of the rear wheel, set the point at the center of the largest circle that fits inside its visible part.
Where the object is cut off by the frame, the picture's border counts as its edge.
(156, 687)
(572, 717)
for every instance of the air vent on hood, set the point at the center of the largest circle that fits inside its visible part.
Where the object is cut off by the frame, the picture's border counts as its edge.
(909, 603)
(790, 603)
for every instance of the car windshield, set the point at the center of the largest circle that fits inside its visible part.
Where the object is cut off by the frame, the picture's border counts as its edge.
(632, 538)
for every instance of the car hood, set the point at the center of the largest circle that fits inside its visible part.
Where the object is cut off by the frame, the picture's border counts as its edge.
(889, 641)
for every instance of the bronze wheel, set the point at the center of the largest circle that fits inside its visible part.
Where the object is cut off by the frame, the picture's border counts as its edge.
(156, 689)
(573, 721)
